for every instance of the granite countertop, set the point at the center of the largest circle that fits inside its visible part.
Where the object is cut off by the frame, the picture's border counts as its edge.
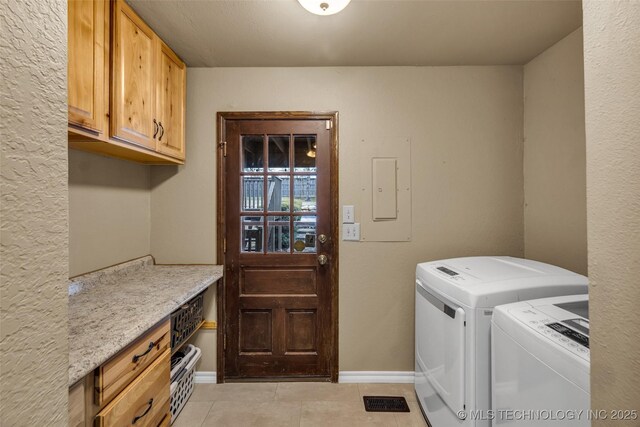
(110, 308)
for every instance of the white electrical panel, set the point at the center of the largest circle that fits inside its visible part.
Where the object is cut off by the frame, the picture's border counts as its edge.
(385, 189)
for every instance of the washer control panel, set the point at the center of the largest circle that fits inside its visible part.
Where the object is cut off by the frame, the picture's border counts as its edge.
(555, 330)
(449, 273)
(581, 339)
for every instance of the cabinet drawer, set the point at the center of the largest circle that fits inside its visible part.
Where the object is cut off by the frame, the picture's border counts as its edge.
(114, 375)
(145, 402)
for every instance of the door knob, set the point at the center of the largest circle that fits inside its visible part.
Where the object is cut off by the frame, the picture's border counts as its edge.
(322, 259)
(322, 238)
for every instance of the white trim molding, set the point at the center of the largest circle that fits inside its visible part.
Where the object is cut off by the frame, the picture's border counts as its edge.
(362, 377)
(205, 377)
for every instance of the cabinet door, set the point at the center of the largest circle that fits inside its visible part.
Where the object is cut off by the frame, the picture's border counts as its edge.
(133, 86)
(86, 64)
(76, 405)
(170, 102)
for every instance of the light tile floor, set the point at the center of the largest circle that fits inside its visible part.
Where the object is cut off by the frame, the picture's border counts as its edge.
(294, 404)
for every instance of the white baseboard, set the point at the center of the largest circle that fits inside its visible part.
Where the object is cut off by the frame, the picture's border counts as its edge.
(362, 377)
(205, 377)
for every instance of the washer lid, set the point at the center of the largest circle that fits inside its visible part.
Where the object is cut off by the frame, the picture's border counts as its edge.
(557, 337)
(490, 281)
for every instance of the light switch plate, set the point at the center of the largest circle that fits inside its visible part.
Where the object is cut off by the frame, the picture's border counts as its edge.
(351, 231)
(348, 214)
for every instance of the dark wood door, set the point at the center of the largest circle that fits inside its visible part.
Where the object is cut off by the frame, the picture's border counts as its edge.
(280, 255)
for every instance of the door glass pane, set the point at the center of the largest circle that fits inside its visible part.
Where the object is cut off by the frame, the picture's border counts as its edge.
(278, 153)
(278, 193)
(278, 239)
(304, 193)
(252, 153)
(252, 233)
(305, 153)
(304, 234)
(252, 193)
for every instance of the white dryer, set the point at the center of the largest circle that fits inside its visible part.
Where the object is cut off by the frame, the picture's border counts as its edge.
(540, 362)
(454, 303)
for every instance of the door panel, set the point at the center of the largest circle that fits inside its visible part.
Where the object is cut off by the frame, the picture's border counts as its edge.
(170, 102)
(278, 299)
(278, 281)
(255, 331)
(301, 329)
(133, 78)
(86, 66)
(441, 346)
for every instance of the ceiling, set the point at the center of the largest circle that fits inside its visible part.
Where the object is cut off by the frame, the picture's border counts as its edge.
(280, 33)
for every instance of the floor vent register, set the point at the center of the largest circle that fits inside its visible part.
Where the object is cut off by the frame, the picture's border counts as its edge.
(385, 404)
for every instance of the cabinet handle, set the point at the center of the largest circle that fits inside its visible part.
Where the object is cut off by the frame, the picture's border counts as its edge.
(138, 356)
(155, 128)
(162, 133)
(135, 419)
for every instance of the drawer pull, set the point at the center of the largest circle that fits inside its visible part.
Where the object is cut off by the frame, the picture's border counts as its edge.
(138, 356)
(150, 404)
(162, 130)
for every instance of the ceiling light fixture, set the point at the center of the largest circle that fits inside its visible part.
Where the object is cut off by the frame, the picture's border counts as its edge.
(324, 7)
(312, 151)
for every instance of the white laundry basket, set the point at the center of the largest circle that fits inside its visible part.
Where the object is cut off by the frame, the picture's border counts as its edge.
(182, 378)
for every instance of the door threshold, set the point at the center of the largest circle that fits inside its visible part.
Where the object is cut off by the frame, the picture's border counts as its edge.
(289, 379)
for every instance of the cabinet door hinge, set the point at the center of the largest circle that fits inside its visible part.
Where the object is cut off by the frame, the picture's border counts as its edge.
(329, 124)
(224, 245)
(223, 146)
(225, 341)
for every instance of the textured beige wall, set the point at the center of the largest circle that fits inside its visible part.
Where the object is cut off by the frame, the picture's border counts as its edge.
(555, 209)
(612, 101)
(109, 211)
(465, 124)
(33, 213)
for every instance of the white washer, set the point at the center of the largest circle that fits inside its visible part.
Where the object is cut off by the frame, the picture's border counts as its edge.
(540, 362)
(454, 304)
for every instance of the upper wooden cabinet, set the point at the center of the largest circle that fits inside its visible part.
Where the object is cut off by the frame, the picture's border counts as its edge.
(86, 65)
(133, 78)
(170, 95)
(126, 87)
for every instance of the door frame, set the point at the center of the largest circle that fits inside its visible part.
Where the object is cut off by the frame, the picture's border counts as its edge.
(221, 120)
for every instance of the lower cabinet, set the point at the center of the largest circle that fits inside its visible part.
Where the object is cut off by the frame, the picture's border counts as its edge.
(144, 402)
(130, 389)
(77, 412)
